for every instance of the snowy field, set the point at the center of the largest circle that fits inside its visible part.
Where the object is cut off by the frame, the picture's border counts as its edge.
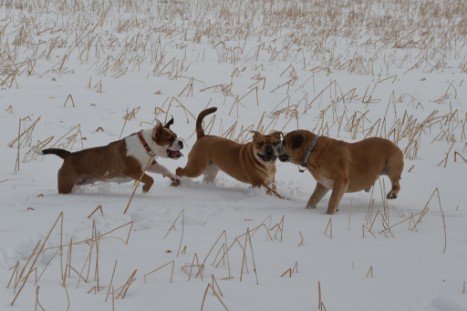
(79, 74)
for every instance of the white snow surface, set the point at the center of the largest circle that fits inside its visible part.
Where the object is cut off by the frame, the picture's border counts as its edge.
(83, 75)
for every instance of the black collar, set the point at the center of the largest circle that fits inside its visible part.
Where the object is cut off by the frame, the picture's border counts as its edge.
(309, 150)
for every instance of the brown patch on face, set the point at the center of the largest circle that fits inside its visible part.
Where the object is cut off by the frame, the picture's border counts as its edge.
(266, 146)
(292, 141)
(164, 136)
(296, 141)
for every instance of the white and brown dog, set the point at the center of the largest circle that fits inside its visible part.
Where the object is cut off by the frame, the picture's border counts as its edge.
(343, 167)
(120, 161)
(252, 163)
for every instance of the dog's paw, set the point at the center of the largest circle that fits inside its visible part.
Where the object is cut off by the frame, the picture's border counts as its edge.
(175, 182)
(391, 195)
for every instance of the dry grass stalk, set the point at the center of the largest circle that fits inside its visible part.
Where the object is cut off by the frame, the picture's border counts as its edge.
(124, 289)
(27, 132)
(38, 304)
(137, 184)
(215, 293)
(225, 253)
(329, 227)
(279, 228)
(111, 282)
(172, 262)
(194, 263)
(172, 227)
(244, 266)
(320, 296)
(302, 239)
(98, 208)
(370, 272)
(291, 271)
(457, 154)
(69, 98)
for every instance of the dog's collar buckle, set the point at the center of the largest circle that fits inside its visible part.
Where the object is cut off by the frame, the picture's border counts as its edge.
(309, 150)
(145, 144)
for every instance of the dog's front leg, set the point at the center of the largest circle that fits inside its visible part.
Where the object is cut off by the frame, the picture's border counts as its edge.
(319, 192)
(160, 169)
(338, 190)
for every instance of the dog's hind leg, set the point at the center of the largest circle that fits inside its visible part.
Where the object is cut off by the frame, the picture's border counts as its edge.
(394, 170)
(195, 166)
(66, 180)
(210, 173)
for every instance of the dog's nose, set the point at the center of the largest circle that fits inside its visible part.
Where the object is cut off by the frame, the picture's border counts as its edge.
(284, 158)
(180, 144)
(269, 150)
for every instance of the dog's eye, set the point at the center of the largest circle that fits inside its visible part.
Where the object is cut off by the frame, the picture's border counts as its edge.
(260, 144)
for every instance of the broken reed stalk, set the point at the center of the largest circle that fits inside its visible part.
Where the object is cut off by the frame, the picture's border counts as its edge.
(38, 304)
(329, 227)
(125, 118)
(172, 262)
(37, 253)
(98, 208)
(172, 227)
(137, 184)
(302, 239)
(193, 264)
(111, 281)
(25, 132)
(291, 271)
(18, 149)
(320, 297)
(126, 286)
(214, 292)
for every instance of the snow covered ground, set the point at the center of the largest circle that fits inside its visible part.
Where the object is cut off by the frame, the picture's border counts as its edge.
(82, 74)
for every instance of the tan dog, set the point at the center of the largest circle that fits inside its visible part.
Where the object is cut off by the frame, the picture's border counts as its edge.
(343, 167)
(252, 163)
(120, 161)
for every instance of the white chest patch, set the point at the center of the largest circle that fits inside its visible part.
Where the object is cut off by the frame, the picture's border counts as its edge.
(135, 149)
(327, 183)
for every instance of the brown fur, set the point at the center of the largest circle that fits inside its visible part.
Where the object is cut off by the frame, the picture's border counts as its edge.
(344, 167)
(113, 162)
(252, 163)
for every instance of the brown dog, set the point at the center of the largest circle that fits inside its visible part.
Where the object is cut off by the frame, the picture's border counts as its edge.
(252, 163)
(343, 167)
(120, 161)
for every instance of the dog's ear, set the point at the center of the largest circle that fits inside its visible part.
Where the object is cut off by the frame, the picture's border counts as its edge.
(297, 141)
(278, 135)
(255, 134)
(156, 131)
(168, 124)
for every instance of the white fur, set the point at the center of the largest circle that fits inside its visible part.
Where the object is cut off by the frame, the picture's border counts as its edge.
(135, 149)
(327, 183)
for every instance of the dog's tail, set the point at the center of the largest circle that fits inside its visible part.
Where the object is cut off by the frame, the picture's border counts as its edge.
(199, 121)
(62, 153)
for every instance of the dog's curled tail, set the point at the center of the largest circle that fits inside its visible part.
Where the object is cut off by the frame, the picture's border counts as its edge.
(199, 121)
(62, 153)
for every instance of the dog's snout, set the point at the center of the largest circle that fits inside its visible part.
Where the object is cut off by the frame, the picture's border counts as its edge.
(180, 144)
(269, 150)
(283, 157)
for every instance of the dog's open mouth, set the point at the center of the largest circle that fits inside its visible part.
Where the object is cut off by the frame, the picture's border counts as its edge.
(174, 154)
